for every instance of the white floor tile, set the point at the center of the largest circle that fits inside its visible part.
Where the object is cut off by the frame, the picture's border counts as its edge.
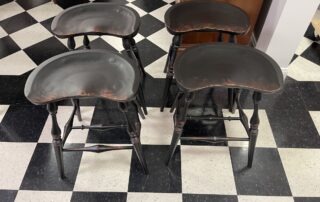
(2, 32)
(78, 40)
(139, 10)
(116, 42)
(302, 69)
(156, 68)
(315, 115)
(9, 10)
(76, 136)
(108, 171)
(16, 64)
(157, 128)
(303, 45)
(302, 168)
(243, 198)
(45, 11)
(14, 162)
(207, 170)
(3, 111)
(159, 13)
(236, 129)
(154, 197)
(43, 196)
(34, 33)
(162, 38)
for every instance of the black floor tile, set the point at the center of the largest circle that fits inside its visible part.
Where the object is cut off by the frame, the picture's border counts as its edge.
(293, 129)
(122, 2)
(107, 113)
(310, 92)
(306, 199)
(150, 25)
(195, 128)
(101, 44)
(2, 2)
(7, 46)
(17, 22)
(66, 4)
(12, 89)
(99, 196)
(31, 3)
(266, 177)
(45, 50)
(161, 178)
(288, 98)
(310, 33)
(149, 52)
(293, 58)
(8, 195)
(42, 172)
(149, 6)
(207, 198)
(47, 24)
(23, 124)
(312, 53)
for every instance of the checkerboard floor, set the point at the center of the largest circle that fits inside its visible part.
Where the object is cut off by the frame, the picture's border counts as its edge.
(287, 159)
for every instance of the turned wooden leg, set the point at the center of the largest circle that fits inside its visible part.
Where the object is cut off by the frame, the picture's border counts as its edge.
(132, 51)
(86, 42)
(169, 69)
(56, 138)
(133, 129)
(253, 131)
(180, 118)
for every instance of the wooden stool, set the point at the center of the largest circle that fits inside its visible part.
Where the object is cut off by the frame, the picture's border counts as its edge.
(83, 74)
(228, 66)
(205, 17)
(101, 19)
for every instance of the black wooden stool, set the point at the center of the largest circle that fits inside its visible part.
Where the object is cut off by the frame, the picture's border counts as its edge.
(101, 19)
(228, 66)
(200, 16)
(83, 74)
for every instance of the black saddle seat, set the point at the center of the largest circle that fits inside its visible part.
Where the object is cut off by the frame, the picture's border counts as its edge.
(206, 16)
(227, 65)
(96, 19)
(84, 73)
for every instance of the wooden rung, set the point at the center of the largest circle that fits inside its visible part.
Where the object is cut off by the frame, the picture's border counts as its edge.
(98, 148)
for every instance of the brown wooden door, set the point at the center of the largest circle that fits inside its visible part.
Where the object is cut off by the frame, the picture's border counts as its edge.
(251, 7)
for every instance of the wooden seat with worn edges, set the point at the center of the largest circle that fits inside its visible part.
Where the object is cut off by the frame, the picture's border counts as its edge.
(96, 19)
(229, 66)
(83, 73)
(206, 16)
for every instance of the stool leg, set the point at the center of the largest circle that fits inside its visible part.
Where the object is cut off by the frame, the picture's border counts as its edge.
(253, 131)
(76, 104)
(71, 46)
(171, 57)
(132, 51)
(56, 136)
(86, 42)
(68, 126)
(230, 99)
(168, 58)
(175, 101)
(180, 118)
(135, 50)
(133, 129)
(142, 100)
(231, 92)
